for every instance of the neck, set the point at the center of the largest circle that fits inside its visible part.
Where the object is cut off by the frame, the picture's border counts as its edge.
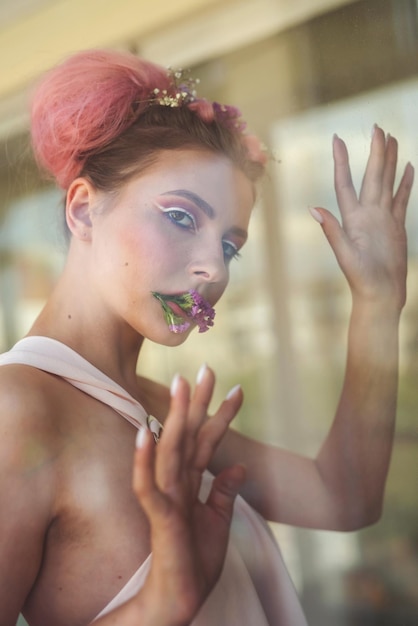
(74, 315)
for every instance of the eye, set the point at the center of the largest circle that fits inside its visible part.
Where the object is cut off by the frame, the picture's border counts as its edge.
(230, 250)
(180, 218)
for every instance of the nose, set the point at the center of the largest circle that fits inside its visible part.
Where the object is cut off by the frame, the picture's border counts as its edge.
(209, 265)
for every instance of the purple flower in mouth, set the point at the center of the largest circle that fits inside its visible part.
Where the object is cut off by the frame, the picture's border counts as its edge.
(192, 304)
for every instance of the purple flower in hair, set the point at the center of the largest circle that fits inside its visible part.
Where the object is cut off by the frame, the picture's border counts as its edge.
(229, 116)
(192, 304)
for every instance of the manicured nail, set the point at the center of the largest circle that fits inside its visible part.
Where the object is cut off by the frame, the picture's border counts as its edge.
(316, 215)
(174, 384)
(140, 437)
(233, 391)
(201, 373)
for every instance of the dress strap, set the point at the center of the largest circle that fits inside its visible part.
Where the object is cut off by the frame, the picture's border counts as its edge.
(56, 358)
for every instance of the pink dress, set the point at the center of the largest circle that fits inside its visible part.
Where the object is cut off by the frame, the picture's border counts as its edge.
(254, 588)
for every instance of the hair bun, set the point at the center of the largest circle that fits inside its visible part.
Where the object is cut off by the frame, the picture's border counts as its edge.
(82, 104)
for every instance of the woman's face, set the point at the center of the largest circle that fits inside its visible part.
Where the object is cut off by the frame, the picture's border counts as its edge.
(173, 229)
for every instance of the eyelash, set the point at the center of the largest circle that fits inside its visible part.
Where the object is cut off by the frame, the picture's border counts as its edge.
(226, 245)
(169, 212)
(235, 254)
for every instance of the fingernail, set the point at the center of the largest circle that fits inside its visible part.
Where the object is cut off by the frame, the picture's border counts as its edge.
(233, 391)
(375, 126)
(174, 384)
(140, 437)
(201, 373)
(316, 215)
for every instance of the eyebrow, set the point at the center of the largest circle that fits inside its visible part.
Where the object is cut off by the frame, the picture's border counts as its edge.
(193, 197)
(205, 207)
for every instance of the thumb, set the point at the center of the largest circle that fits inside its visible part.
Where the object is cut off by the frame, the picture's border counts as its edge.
(224, 490)
(333, 231)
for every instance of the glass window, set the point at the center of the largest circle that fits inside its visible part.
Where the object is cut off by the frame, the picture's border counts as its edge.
(281, 328)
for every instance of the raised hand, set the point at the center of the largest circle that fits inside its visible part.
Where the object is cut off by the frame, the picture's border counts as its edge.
(189, 538)
(370, 244)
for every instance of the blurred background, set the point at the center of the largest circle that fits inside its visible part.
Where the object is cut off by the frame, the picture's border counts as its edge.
(300, 70)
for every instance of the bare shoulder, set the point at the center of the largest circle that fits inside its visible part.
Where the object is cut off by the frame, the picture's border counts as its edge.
(27, 429)
(26, 403)
(26, 482)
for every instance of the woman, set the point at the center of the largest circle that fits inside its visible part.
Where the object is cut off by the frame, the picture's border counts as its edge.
(159, 190)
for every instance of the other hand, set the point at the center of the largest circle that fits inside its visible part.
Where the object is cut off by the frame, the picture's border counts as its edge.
(189, 538)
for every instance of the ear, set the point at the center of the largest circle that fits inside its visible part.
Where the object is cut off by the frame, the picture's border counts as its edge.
(78, 209)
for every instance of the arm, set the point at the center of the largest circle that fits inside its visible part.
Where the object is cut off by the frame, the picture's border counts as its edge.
(343, 487)
(188, 537)
(371, 249)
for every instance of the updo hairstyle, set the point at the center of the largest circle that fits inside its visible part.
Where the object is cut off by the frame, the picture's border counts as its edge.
(97, 115)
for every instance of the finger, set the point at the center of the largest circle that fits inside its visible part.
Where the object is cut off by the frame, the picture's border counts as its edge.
(198, 410)
(335, 234)
(344, 188)
(170, 453)
(389, 173)
(401, 199)
(215, 428)
(143, 480)
(225, 488)
(202, 396)
(371, 188)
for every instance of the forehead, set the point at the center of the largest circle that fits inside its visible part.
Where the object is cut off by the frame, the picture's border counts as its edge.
(214, 178)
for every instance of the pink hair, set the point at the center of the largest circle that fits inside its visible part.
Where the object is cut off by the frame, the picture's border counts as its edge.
(84, 103)
(82, 108)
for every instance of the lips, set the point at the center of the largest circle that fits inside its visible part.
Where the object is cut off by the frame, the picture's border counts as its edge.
(176, 308)
(190, 305)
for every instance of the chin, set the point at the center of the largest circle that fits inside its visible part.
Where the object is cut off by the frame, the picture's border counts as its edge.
(171, 339)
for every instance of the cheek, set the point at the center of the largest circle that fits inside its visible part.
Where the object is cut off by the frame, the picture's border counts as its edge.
(134, 243)
(136, 252)
(147, 253)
